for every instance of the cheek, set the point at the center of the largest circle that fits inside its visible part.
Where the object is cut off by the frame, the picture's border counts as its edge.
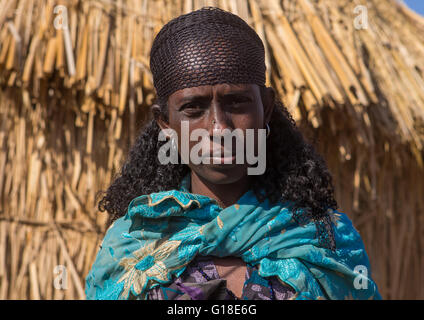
(174, 120)
(249, 122)
(252, 119)
(183, 131)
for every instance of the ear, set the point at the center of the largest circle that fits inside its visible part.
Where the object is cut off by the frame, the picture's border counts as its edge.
(268, 103)
(157, 114)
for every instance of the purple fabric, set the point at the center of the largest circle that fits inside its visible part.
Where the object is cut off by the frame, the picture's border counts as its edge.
(193, 292)
(194, 285)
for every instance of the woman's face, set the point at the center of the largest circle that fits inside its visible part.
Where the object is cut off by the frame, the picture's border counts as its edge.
(215, 108)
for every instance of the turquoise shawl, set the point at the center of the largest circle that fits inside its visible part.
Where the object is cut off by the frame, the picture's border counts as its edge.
(162, 232)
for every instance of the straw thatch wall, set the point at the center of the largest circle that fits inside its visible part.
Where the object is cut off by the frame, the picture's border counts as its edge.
(72, 100)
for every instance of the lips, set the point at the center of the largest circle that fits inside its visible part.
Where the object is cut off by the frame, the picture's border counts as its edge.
(219, 157)
(219, 153)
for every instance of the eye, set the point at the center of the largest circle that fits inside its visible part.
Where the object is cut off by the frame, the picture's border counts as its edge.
(238, 101)
(191, 109)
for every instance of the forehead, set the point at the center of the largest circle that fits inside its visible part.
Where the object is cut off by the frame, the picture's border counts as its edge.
(209, 90)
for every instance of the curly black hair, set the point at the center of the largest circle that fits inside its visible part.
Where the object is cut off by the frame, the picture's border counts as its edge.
(294, 172)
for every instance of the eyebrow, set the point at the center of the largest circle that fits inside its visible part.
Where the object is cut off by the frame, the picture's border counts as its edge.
(238, 92)
(206, 98)
(193, 98)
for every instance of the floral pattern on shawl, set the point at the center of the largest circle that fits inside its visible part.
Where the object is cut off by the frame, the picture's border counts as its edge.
(162, 232)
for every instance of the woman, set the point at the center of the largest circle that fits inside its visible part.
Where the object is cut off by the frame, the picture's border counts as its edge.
(215, 228)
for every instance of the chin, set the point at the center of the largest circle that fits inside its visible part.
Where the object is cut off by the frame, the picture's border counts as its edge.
(221, 174)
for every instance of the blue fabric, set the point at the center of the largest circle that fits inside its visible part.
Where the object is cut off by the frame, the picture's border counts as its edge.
(162, 232)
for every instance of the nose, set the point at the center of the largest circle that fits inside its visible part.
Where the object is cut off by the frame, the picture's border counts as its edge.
(219, 120)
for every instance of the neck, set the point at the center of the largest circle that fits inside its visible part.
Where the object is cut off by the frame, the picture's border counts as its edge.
(225, 194)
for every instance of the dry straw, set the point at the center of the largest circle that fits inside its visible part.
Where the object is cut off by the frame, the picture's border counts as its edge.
(72, 100)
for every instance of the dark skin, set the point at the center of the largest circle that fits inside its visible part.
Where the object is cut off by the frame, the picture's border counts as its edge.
(212, 107)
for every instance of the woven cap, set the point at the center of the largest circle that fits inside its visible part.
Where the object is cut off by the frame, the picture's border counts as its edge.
(206, 47)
